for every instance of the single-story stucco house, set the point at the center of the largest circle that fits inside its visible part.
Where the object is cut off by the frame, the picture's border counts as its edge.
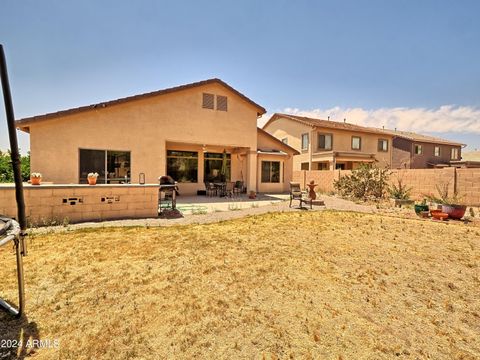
(181, 131)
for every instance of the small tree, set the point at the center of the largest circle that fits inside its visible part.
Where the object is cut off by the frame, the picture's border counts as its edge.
(367, 181)
(6, 170)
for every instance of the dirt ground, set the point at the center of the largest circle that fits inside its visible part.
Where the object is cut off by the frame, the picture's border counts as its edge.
(318, 285)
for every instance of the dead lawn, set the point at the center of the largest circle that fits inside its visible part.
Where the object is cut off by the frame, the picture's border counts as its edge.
(320, 285)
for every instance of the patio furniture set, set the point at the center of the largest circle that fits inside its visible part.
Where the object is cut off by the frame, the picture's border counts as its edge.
(225, 189)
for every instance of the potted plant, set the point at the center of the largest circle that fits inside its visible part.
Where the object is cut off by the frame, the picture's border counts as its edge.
(400, 194)
(92, 178)
(422, 208)
(35, 178)
(252, 194)
(449, 205)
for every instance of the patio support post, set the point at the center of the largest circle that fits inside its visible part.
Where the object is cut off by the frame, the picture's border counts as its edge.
(252, 166)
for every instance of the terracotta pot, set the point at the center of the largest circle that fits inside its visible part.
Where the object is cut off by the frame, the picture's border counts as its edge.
(252, 195)
(92, 180)
(439, 214)
(454, 211)
(35, 180)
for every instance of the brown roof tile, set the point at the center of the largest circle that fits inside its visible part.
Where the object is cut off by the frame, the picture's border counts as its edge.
(351, 127)
(330, 124)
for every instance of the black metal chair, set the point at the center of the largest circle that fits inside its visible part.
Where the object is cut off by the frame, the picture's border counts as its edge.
(238, 188)
(210, 189)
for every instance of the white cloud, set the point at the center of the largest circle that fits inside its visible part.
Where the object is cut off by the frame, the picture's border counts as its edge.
(445, 119)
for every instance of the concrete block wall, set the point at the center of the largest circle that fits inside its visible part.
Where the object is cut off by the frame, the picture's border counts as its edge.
(422, 181)
(47, 204)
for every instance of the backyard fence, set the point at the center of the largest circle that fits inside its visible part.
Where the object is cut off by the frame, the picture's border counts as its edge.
(57, 204)
(422, 181)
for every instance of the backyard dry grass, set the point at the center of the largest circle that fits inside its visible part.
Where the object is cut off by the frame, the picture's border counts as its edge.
(320, 285)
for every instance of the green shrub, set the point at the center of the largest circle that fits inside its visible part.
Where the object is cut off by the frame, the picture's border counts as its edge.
(365, 182)
(400, 191)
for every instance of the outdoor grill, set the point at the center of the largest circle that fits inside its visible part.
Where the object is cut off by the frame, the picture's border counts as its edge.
(167, 193)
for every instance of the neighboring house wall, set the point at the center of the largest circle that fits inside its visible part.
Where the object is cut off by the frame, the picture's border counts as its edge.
(145, 127)
(402, 153)
(404, 156)
(292, 131)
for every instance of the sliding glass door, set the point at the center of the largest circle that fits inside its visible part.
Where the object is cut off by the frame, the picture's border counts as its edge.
(113, 167)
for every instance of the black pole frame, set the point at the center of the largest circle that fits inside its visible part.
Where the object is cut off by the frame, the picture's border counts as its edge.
(19, 241)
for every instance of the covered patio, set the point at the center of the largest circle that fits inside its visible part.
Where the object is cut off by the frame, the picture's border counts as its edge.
(193, 165)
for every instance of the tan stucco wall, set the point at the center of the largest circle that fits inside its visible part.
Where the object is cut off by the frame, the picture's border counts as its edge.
(341, 141)
(292, 130)
(286, 163)
(143, 127)
(266, 143)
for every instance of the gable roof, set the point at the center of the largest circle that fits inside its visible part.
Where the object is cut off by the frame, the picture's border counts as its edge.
(420, 137)
(23, 123)
(330, 124)
(279, 142)
(351, 127)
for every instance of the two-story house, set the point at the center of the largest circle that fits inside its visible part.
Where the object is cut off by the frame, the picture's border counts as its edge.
(182, 132)
(416, 151)
(329, 145)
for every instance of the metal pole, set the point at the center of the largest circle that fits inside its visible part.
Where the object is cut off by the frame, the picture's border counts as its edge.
(20, 244)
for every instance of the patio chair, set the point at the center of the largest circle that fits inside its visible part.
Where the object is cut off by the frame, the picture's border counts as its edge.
(296, 193)
(210, 189)
(238, 188)
(229, 189)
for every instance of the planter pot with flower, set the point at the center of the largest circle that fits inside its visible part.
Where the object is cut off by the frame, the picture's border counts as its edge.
(35, 178)
(252, 195)
(92, 178)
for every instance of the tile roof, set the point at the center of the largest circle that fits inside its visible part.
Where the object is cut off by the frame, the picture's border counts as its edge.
(420, 137)
(23, 123)
(324, 123)
(352, 127)
(279, 142)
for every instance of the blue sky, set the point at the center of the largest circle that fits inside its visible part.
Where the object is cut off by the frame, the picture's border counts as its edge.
(410, 64)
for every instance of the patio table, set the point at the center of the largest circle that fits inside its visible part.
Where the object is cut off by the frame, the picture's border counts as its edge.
(220, 188)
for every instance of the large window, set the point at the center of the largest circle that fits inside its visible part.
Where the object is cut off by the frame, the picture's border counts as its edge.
(356, 142)
(113, 167)
(305, 141)
(382, 145)
(436, 151)
(454, 154)
(325, 141)
(182, 166)
(270, 171)
(213, 167)
(418, 150)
